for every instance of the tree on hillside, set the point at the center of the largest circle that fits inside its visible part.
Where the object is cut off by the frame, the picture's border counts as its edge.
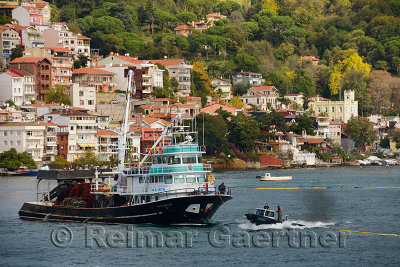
(57, 95)
(360, 130)
(16, 52)
(273, 118)
(395, 137)
(347, 61)
(201, 83)
(380, 89)
(243, 132)
(245, 62)
(215, 131)
(303, 123)
(186, 17)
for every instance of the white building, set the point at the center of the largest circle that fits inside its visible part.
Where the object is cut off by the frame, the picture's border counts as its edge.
(295, 98)
(18, 86)
(82, 130)
(335, 110)
(248, 78)
(224, 87)
(262, 97)
(9, 39)
(107, 142)
(22, 136)
(82, 96)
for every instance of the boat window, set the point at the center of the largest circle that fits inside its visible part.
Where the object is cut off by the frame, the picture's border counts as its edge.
(141, 179)
(153, 160)
(156, 179)
(147, 179)
(260, 212)
(164, 160)
(200, 158)
(178, 179)
(189, 159)
(190, 178)
(151, 179)
(161, 179)
(174, 160)
(159, 160)
(271, 214)
(201, 178)
(168, 179)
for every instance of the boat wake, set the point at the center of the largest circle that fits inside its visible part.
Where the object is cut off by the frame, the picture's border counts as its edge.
(298, 224)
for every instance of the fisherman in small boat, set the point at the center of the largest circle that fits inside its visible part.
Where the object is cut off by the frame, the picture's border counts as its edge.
(222, 188)
(279, 210)
(266, 207)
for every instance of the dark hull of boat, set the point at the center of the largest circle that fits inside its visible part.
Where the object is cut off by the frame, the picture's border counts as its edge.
(170, 211)
(33, 173)
(257, 219)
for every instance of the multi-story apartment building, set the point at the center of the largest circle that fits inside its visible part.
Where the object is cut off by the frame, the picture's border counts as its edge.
(247, 78)
(58, 35)
(82, 96)
(223, 87)
(335, 110)
(33, 13)
(295, 98)
(61, 58)
(30, 36)
(9, 39)
(102, 80)
(151, 75)
(262, 97)
(107, 142)
(18, 86)
(40, 67)
(180, 70)
(23, 136)
(81, 132)
(50, 150)
(62, 141)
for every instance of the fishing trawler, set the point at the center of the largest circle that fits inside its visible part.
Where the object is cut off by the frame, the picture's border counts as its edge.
(169, 185)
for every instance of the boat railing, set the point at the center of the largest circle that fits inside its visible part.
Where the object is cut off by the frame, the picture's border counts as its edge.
(170, 169)
(203, 190)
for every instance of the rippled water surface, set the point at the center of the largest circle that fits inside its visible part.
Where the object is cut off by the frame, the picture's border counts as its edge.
(350, 203)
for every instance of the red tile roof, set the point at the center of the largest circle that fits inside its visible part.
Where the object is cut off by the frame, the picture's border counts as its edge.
(8, 6)
(182, 27)
(48, 124)
(313, 140)
(83, 37)
(40, 4)
(28, 59)
(106, 133)
(59, 49)
(216, 15)
(167, 62)
(92, 71)
(21, 73)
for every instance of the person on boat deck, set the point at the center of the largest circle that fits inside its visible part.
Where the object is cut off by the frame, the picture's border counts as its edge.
(266, 207)
(279, 210)
(222, 188)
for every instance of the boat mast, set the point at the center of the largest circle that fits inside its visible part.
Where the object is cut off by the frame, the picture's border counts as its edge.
(122, 141)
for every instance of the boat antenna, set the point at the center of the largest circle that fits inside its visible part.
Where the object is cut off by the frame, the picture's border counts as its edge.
(203, 129)
(122, 142)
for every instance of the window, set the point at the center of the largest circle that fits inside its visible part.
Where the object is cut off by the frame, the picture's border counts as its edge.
(6, 143)
(333, 109)
(190, 178)
(179, 179)
(161, 179)
(18, 143)
(174, 160)
(80, 93)
(188, 159)
(199, 158)
(90, 102)
(82, 102)
(168, 179)
(29, 133)
(5, 133)
(11, 143)
(201, 178)
(141, 179)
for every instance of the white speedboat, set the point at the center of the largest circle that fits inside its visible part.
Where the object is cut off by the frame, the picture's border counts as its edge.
(268, 177)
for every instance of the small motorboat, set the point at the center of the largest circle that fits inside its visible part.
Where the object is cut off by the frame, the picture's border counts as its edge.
(268, 177)
(25, 171)
(263, 216)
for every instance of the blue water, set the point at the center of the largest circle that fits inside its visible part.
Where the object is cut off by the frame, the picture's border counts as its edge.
(322, 211)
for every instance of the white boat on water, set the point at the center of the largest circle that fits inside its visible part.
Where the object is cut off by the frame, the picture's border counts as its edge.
(268, 177)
